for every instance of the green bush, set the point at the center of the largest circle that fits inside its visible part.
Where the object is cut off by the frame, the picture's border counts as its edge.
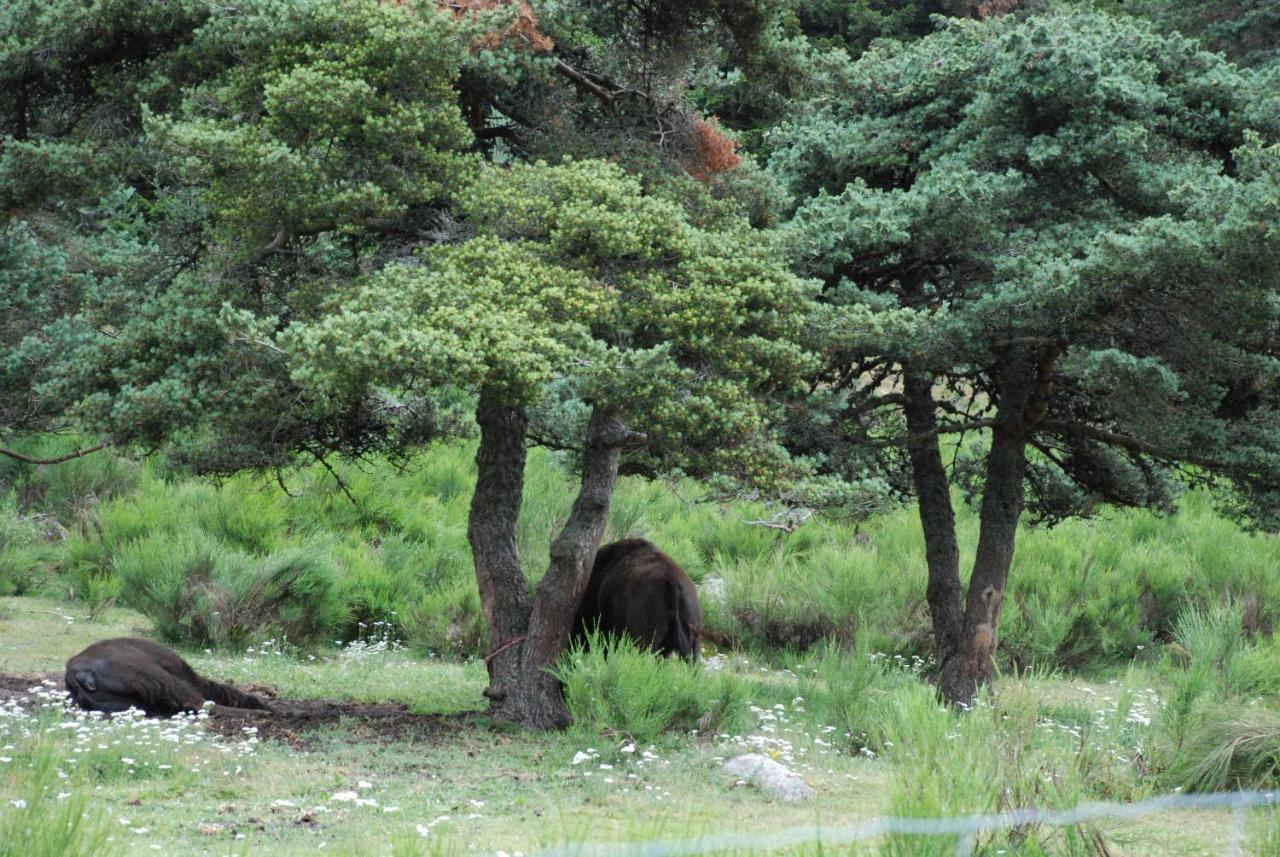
(198, 591)
(446, 620)
(24, 554)
(612, 685)
(1084, 595)
(73, 489)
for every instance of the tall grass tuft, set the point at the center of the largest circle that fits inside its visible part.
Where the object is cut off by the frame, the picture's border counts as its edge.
(611, 685)
(860, 692)
(1229, 751)
(23, 551)
(37, 823)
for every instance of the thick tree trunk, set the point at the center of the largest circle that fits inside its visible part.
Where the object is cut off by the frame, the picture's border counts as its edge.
(1021, 404)
(944, 593)
(974, 664)
(966, 640)
(491, 529)
(572, 555)
(527, 636)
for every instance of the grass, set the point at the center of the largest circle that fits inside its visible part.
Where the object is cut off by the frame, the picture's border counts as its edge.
(46, 820)
(1084, 596)
(515, 791)
(1137, 658)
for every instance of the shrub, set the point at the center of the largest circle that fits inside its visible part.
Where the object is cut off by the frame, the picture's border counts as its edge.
(612, 685)
(23, 552)
(73, 489)
(198, 591)
(446, 620)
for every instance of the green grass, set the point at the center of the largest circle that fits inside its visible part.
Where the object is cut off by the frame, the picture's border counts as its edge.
(1084, 596)
(1046, 741)
(1137, 657)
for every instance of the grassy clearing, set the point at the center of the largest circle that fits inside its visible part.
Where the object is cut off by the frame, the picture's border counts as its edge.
(888, 748)
(1139, 658)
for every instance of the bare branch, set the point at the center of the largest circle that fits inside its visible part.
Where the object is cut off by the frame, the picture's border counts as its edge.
(336, 478)
(283, 487)
(954, 428)
(262, 343)
(582, 80)
(788, 520)
(79, 453)
(1132, 444)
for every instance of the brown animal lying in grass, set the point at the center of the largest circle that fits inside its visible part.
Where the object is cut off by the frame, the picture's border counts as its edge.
(127, 672)
(637, 590)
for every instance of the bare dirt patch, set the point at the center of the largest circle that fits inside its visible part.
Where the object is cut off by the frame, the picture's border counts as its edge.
(20, 685)
(289, 720)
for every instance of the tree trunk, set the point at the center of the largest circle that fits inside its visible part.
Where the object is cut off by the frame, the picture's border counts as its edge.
(491, 529)
(974, 665)
(527, 642)
(944, 593)
(965, 640)
(572, 555)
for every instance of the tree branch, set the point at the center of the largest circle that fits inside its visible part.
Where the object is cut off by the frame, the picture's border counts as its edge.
(1132, 444)
(283, 487)
(341, 483)
(79, 453)
(581, 80)
(954, 428)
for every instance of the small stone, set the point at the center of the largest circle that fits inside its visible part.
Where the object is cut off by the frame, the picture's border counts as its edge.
(769, 776)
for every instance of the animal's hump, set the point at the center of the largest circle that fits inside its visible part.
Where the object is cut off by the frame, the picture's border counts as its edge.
(614, 551)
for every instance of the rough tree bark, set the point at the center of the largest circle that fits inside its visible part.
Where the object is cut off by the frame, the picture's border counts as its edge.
(966, 642)
(491, 529)
(527, 635)
(944, 594)
(974, 664)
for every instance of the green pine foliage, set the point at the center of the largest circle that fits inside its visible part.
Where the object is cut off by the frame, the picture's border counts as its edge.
(1064, 190)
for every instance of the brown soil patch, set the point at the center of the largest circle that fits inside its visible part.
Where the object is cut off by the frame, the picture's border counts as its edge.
(19, 685)
(290, 719)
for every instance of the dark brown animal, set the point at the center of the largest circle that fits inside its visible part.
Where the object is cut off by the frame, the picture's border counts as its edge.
(637, 590)
(127, 672)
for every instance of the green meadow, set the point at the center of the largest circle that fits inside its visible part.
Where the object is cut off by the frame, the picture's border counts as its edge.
(1138, 659)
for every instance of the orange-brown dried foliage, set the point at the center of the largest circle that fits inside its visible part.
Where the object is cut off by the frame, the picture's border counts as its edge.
(715, 152)
(991, 8)
(523, 31)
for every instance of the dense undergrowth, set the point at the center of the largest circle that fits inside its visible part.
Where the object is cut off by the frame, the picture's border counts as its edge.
(819, 636)
(241, 560)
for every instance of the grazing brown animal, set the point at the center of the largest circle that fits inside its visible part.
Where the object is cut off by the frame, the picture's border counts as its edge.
(127, 672)
(637, 590)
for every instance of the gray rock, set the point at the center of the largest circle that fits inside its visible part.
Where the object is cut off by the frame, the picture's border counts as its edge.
(769, 776)
(713, 589)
